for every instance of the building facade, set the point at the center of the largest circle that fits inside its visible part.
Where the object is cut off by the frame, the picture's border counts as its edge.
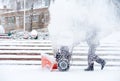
(20, 15)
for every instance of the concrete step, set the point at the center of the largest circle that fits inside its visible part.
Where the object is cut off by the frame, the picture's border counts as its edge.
(28, 52)
(3, 34)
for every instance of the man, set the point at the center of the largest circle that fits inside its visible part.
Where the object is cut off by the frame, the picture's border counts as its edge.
(93, 42)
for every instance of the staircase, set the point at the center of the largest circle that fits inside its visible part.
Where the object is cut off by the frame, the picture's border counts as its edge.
(23, 52)
(28, 52)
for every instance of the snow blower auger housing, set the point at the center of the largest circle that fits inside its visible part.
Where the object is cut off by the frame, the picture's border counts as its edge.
(63, 57)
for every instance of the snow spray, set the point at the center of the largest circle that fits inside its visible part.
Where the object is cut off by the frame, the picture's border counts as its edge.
(71, 19)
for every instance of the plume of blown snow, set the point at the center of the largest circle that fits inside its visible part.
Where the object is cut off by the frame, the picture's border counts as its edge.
(71, 19)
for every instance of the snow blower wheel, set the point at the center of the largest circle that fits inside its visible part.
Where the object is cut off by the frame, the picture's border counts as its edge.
(63, 65)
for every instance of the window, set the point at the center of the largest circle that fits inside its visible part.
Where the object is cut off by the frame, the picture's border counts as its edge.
(11, 21)
(3, 21)
(21, 20)
(27, 19)
(46, 18)
(35, 18)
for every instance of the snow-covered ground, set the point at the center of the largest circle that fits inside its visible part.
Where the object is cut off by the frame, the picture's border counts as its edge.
(36, 73)
(76, 73)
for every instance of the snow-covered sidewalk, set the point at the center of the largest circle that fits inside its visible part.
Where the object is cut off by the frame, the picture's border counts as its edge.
(36, 73)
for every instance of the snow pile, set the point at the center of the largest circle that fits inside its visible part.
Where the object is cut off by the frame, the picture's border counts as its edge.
(34, 33)
(20, 35)
(2, 30)
(29, 35)
(50, 57)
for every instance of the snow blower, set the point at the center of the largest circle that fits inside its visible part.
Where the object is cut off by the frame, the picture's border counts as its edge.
(63, 57)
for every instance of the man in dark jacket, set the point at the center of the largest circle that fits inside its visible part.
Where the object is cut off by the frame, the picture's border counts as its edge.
(93, 42)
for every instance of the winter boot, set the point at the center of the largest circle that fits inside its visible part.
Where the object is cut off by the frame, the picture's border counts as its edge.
(90, 67)
(102, 62)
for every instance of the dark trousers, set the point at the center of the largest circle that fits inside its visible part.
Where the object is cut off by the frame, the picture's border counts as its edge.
(92, 56)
